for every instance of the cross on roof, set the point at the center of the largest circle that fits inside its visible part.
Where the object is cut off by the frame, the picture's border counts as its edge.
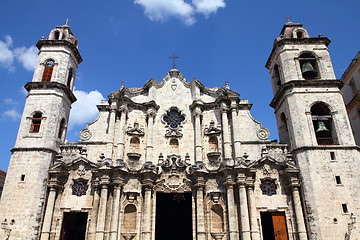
(288, 18)
(174, 58)
(67, 21)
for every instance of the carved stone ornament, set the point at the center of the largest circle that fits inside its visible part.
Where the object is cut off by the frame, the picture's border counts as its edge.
(268, 187)
(135, 131)
(173, 161)
(263, 134)
(267, 171)
(212, 129)
(80, 187)
(85, 134)
(81, 171)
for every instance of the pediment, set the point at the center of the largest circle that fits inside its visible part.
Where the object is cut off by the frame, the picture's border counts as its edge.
(61, 166)
(271, 161)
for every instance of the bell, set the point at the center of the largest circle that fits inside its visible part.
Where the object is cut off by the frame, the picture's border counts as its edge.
(308, 71)
(322, 127)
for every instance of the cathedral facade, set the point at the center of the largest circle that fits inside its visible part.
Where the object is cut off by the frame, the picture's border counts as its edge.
(177, 160)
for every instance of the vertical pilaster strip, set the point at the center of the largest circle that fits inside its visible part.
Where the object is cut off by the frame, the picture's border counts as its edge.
(45, 233)
(226, 136)
(146, 223)
(235, 128)
(200, 214)
(149, 142)
(115, 209)
(294, 184)
(95, 209)
(233, 223)
(198, 140)
(255, 235)
(244, 211)
(111, 131)
(100, 227)
(120, 151)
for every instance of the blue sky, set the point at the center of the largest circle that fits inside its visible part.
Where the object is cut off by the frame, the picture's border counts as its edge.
(130, 41)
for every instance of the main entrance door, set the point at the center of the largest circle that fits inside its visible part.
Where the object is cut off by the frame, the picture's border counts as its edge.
(274, 226)
(74, 226)
(173, 216)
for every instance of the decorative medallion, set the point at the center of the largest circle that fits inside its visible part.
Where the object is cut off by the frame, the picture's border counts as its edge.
(263, 134)
(268, 187)
(81, 171)
(79, 188)
(85, 134)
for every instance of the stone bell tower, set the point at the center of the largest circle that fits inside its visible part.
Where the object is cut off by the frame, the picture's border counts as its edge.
(312, 120)
(42, 130)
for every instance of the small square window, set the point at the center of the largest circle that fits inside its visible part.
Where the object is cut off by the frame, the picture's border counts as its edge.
(332, 156)
(22, 178)
(345, 208)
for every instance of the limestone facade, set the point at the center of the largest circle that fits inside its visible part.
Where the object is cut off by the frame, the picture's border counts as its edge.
(178, 144)
(2, 180)
(351, 93)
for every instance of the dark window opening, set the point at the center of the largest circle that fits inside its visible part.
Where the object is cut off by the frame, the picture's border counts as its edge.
(353, 86)
(69, 77)
(332, 156)
(74, 226)
(338, 180)
(56, 35)
(277, 75)
(344, 208)
(135, 144)
(173, 210)
(22, 178)
(283, 130)
(323, 125)
(61, 129)
(309, 67)
(299, 34)
(35, 123)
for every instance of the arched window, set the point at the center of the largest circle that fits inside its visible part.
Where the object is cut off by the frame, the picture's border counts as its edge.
(56, 35)
(69, 77)
(213, 144)
(217, 219)
(300, 34)
(48, 69)
(135, 144)
(276, 75)
(36, 122)
(323, 124)
(309, 66)
(174, 145)
(62, 128)
(283, 129)
(130, 219)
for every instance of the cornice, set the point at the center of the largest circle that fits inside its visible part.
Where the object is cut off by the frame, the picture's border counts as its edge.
(61, 43)
(49, 85)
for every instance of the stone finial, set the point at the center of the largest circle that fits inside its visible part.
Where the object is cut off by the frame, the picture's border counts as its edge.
(227, 85)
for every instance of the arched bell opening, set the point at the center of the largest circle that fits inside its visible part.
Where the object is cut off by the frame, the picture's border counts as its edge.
(309, 66)
(323, 124)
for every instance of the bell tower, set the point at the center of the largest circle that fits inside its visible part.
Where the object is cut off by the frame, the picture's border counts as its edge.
(42, 130)
(313, 121)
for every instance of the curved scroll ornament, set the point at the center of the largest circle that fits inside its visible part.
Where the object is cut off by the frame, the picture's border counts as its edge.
(263, 133)
(85, 134)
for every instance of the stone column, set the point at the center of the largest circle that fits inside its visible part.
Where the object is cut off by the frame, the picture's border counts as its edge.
(111, 131)
(233, 223)
(146, 222)
(100, 228)
(120, 151)
(92, 228)
(115, 209)
(255, 235)
(244, 211)
(301, 229)
(226, 135)
(235, 128)
(198, 139)
(45, 232)
(149, 141)
(200, 213)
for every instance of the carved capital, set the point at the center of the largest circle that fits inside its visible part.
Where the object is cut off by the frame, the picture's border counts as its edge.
(123, 109)
(233, 105)
(104, 181)
(241, 179)
(118, 182)
(148, 184)
(224, 108)
(197, 113)
(151, 113)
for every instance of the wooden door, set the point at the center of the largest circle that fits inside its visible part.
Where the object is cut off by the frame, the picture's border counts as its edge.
(279, 222)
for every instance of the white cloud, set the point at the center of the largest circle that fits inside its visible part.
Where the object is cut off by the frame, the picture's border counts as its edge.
(6, 55)
(207, 7)
(10, 101)
(26, 56)
(84, 109)
(13, 114)
(161, 10)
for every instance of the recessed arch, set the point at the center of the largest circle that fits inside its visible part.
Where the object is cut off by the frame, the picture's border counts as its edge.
(130, 218)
